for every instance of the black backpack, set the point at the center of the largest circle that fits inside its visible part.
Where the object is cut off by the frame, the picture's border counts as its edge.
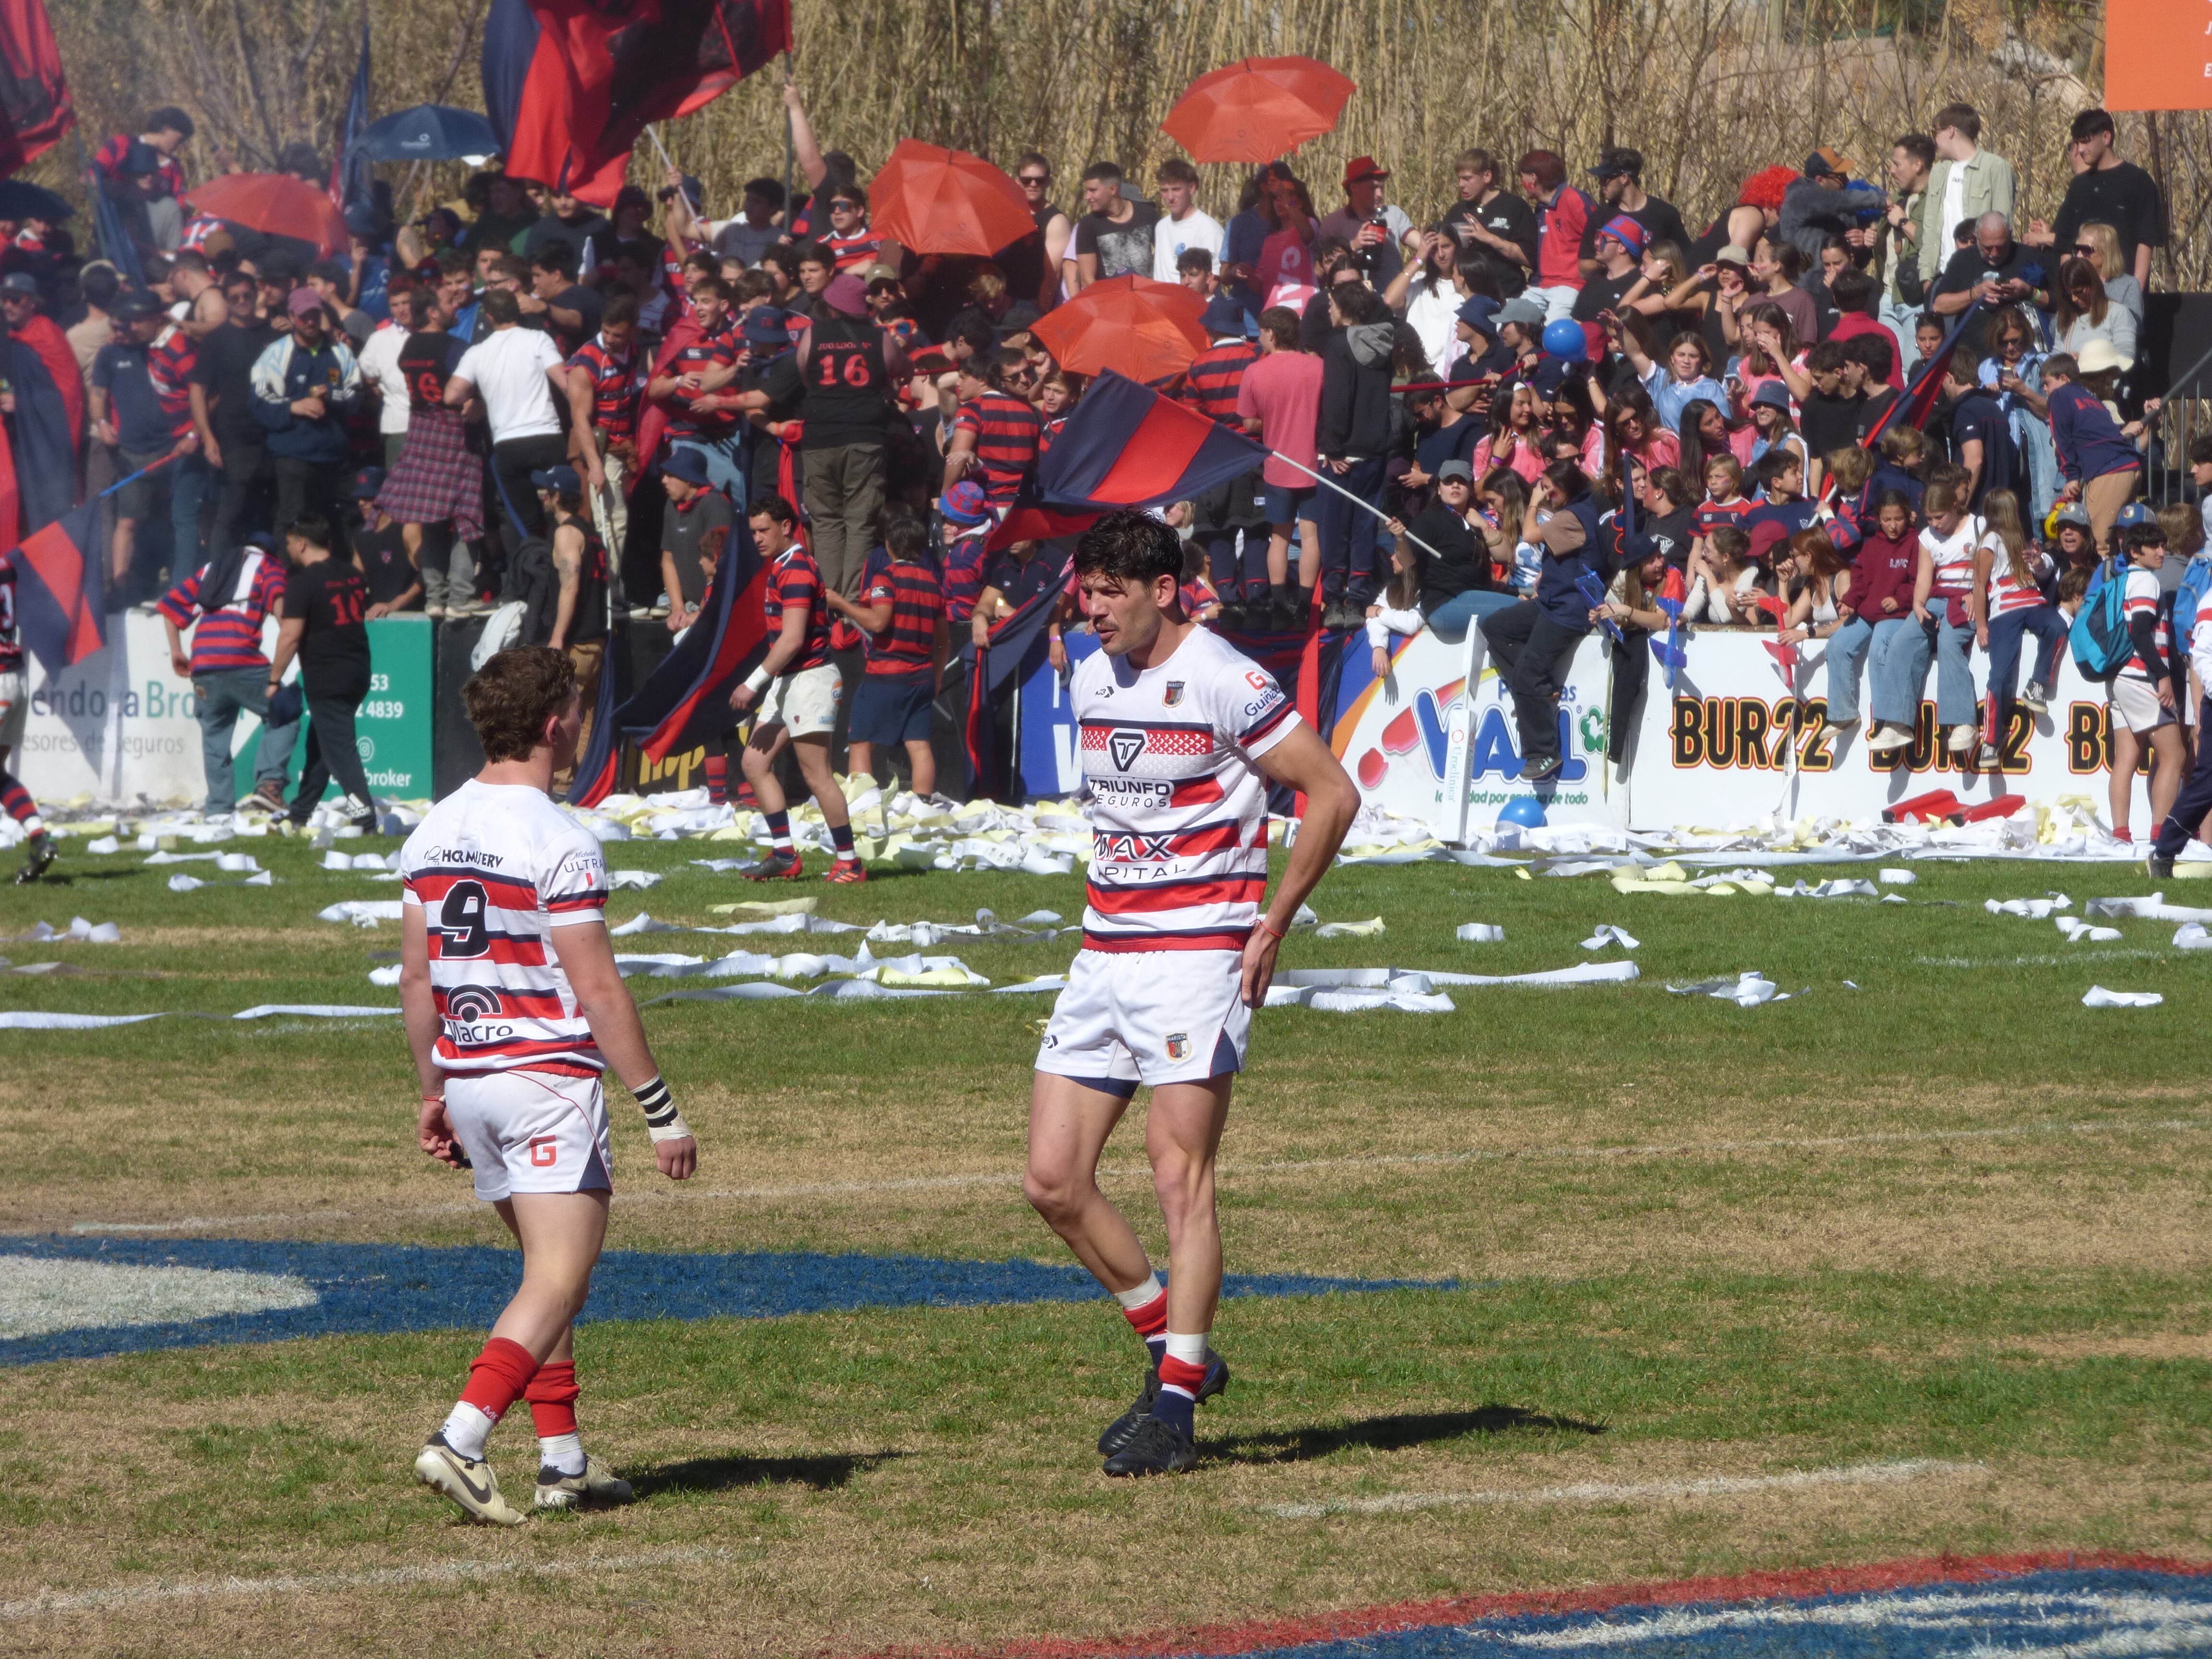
(532, 582)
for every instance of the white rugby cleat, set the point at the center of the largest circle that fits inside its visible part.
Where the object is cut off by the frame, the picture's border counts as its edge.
(468, 1482)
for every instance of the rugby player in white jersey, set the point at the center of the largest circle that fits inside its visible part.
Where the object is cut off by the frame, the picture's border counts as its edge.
(1180, 737)
(513, 1007)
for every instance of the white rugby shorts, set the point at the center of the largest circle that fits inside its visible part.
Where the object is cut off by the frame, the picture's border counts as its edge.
(1148, 1017)
(2135, 707)
(15, 709)
(531, 1132)
(804, 704)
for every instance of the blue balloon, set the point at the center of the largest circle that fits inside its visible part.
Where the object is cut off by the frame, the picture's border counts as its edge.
(1524, 810)
(1565, 340)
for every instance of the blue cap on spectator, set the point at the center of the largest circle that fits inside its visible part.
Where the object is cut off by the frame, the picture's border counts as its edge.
(964, 503)
(764, 325)
(1772, 394)
(2071, 513)
(1480, 312)
(366, 484)
(689, 465)
(1224, 316)
(19, 282)
(563, 479)
(261, 542)
(1550, 374)
(2134, 515)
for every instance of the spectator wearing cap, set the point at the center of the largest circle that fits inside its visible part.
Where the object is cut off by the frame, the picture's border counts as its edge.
(305, 387)
(1965, 182)
(515, 372)
(379, 548)
(1563, 215)
(965, 516)
(1619, 175)
(2100, 467)
(699, 521)
(1477, 352)
(1374, 230)
(1716, 294)
(127, 415)
(1520, 327)
(843, 372)
(1825, 203)
(1441, 566)
(1618, 244)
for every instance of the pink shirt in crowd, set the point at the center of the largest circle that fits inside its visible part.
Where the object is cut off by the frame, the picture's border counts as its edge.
(1283, 388)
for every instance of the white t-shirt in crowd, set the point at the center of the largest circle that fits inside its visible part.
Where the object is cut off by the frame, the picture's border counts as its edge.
(1954, 201)
(379, 366)
(1170, 237)
(508, 368)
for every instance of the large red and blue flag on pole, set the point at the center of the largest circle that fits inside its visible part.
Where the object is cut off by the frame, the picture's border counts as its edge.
(1128, 446)
(352, 184)
(60, 592)
(686, 698)
(571, 85)
(1015, 644)
(34, 96)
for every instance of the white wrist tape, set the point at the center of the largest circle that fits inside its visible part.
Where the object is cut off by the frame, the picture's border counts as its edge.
(662, 1120)
(758, 681)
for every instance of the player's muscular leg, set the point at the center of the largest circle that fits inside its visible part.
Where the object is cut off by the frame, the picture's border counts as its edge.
(1068, 1127)
(759, 763)
(564, 1349)
(561, 1235)
(1182, 1133)
(814, 766)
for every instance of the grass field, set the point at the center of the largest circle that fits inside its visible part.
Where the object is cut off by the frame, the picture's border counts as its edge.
(1940, 1238)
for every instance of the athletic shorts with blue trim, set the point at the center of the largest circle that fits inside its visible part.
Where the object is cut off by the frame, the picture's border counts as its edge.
(532, 1131)
(1148, 1017)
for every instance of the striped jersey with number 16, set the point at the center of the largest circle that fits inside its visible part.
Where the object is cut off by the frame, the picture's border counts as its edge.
(1179, 828)
(496, 868)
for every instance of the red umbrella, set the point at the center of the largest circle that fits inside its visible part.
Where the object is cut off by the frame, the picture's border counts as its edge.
(275, 204)
(1257, 109)
(946, 201)
(1132, 324)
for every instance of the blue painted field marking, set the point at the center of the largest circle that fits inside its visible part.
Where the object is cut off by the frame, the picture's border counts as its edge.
(399, 1287)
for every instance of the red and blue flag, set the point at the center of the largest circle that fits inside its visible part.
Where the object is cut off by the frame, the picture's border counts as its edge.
(1925, 390)
(1128, 446)
(1016, 644)
(60, 590)
(571, 85)
(600, 764)
(686, 698)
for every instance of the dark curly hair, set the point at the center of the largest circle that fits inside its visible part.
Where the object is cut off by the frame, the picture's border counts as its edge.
(1132, 547)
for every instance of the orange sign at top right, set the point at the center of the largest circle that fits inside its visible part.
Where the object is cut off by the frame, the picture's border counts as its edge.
(2158, 54)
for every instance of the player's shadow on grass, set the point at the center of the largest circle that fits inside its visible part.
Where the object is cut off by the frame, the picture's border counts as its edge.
(1390, 1433)
(823, 1473)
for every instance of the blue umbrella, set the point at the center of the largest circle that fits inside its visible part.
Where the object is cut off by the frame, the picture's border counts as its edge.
(21, 200)
(430, 132)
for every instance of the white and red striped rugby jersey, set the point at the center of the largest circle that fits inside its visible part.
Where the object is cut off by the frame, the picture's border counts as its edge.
(1179, 831)
(496, 868)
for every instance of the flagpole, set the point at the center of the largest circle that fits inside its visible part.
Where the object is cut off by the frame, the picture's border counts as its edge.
(1359, 500)
(790, 142)
(690, 206)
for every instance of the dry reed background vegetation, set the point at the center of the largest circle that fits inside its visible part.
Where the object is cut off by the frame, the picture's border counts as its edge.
(1711, 90)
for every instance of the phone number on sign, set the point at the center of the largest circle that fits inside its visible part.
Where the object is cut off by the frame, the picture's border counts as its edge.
(383, 709)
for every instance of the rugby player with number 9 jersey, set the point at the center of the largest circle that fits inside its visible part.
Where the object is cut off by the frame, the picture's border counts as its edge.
(1180, 737)
(514, 1008)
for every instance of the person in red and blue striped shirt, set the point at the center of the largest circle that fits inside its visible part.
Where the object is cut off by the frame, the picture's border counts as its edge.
(902, 611)
(225, 602)
(849, 240)
(995, 434)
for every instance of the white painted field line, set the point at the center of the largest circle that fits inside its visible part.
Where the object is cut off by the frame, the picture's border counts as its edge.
(1598, 1492)
(1232, 1169)
(438, 1572)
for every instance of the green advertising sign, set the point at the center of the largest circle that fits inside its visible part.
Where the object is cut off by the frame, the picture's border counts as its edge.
(391, 731)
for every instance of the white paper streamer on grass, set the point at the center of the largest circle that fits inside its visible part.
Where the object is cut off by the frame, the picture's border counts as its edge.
(1608, 934)
(2191, 936)
(1408, 994)
(2035, 909)
(335, 859)
(1582, 973)
(1746, 990)
(183, 884)
(1896, 877)
(362, 912)
(637, 880)
(2154, 909)
(103, 846)
(2079, 932)
(1367, 929)
(1838, 888)
(1481, 932)
(20, 1020)
(80, 930)
(2099, 997)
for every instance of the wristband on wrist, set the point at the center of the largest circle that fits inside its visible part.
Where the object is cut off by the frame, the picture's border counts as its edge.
(756, 682)
(1262, 925)
(662, 1120)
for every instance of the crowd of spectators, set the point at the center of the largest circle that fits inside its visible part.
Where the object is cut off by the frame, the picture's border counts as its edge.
(1552, 408)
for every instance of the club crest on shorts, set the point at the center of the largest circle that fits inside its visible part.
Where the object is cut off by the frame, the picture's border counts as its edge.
(1174, 693)
(1179, 1046)
(1126, 746)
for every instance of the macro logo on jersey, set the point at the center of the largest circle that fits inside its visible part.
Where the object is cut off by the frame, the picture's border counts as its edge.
(503, 999)
(1179, 840)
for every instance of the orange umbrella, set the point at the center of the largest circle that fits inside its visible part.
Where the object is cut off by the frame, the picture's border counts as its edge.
(946, 201)
(1257, 109)
(275, 204)
(1132, 324)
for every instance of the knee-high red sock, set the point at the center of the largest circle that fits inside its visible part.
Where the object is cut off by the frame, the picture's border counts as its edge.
(552, 1395)
(717, 779)
(498, 1376)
